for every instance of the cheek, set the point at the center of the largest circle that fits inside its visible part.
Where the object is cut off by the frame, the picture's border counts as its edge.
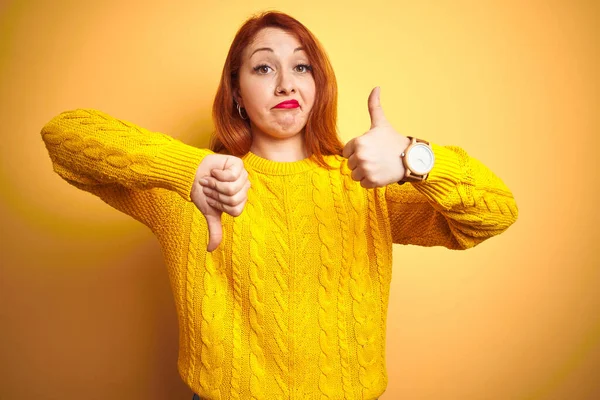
(309, 93)
(256, 96)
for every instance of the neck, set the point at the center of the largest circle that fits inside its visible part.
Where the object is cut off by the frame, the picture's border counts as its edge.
(283, 150)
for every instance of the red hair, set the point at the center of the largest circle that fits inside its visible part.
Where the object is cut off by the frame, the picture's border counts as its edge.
(232, 134)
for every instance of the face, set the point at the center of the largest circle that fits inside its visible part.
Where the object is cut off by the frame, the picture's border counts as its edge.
(274, 70)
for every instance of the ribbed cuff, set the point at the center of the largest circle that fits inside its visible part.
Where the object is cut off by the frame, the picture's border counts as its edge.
(175, 167)
(448, 170)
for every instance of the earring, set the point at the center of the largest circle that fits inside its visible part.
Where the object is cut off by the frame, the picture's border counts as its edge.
(240, 112)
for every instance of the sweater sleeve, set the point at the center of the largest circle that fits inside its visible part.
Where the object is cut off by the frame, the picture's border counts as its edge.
(459, 205)
(125, 165)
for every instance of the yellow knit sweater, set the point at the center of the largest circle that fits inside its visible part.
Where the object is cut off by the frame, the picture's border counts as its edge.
(293, 303)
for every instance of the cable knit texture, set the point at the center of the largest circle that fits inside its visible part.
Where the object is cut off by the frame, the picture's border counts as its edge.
(293, 303)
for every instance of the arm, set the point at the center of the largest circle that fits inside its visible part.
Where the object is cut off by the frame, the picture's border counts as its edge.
(460, 204)
(123, 164)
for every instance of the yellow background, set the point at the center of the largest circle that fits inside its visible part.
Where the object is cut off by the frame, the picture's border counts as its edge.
(85, 304)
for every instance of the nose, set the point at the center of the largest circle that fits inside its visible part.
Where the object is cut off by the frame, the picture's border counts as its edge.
(285, 83)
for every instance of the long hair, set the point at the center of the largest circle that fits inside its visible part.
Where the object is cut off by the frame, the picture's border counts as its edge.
(233, 135)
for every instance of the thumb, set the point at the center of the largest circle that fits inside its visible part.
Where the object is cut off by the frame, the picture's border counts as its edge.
(215, 230)
(375, 109)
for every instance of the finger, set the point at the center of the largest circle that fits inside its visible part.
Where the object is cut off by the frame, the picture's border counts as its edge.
(243, 204)
(211, 183)
(349, 148)
(219, 205)
(222, 207)
(375, 109)
(352, 161)
(367, 184)
(358, 174)
(230, 172)
(226, 188)
(228, 200)
(241, 196)
(223, 175)
(215, 231)
(237, 210)
(225, 185)
(212, 193)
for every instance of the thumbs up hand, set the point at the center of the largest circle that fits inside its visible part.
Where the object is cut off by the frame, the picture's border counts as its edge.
(374, 157)
(221, 185)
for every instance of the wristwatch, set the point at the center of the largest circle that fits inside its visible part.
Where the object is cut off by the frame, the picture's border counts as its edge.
(418, 160)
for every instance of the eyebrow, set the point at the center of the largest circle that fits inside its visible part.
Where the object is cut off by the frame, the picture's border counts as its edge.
(271, 50)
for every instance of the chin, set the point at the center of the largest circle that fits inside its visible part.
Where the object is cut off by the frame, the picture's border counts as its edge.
(285, 133)
(276, 131)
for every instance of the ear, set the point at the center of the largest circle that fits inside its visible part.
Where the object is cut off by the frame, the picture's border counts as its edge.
(237, 97)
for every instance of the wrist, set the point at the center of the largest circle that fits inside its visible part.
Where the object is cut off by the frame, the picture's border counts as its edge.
(405, 142)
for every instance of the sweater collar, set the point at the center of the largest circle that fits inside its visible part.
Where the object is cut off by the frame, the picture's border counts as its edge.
(270, 167)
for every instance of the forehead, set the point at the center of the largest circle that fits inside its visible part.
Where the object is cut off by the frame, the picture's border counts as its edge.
(274, 38)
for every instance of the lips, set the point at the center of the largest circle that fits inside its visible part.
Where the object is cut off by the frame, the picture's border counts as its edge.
(288, 104)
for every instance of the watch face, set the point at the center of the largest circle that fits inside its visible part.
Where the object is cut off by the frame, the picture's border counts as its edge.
(420, 158)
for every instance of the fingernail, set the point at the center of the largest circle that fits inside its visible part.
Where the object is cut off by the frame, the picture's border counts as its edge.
(203, 181)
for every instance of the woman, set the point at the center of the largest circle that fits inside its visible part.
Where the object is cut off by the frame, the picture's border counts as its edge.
(289, 299)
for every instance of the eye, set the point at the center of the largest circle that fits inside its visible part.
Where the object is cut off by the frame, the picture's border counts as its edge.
(306, 68)
(262, 69)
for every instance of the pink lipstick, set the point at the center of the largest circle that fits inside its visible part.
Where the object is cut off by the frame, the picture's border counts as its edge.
(288, 104)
